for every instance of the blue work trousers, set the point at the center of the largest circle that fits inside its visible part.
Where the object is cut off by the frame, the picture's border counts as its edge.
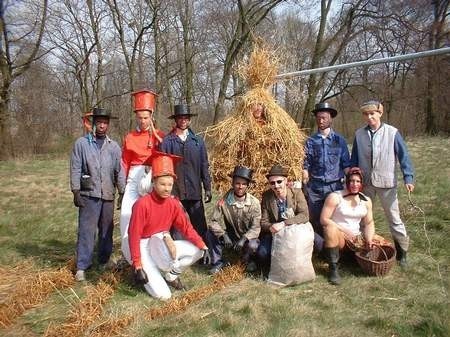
(317, 192)
(196, 212)
(97, 214)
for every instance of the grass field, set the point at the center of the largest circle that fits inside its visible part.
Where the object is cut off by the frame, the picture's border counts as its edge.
(38, 225)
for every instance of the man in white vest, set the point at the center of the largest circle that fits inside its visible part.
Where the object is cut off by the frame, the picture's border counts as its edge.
(376, 149)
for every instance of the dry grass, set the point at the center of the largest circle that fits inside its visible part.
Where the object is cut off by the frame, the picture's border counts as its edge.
(241, 140)
(31, 289)
(87, 311)
(114, 325)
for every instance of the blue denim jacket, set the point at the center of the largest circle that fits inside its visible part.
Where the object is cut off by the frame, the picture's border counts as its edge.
(326, 158)
(193, 170)
(102, 165)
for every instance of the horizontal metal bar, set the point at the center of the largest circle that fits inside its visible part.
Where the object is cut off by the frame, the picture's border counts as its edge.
(365, 63)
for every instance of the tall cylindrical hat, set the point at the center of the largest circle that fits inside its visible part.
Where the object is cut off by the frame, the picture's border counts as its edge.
(163, 164)
(144, 100)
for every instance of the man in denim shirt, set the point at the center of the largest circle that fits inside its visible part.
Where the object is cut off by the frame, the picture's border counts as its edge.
(95, 172)
(326, 161)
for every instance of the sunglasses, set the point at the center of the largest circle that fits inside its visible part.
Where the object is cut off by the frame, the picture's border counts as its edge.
(275, 182)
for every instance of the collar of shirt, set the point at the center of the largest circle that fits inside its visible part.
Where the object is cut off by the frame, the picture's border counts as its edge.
(91, 138)
(233, 202)
(183, 135)
(318, 135)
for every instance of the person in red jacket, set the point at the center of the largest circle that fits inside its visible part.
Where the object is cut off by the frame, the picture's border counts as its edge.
(157, 259)
(138, 146)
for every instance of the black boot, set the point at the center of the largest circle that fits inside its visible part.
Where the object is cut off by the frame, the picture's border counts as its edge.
(333, 259)
(401, 255)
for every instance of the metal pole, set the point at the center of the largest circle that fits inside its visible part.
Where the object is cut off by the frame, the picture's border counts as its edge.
(365, 63)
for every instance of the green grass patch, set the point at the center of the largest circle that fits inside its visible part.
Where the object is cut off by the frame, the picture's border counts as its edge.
(39, 222)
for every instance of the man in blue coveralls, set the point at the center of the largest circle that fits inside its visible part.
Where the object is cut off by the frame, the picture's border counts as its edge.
(327, 160)
(95, 173)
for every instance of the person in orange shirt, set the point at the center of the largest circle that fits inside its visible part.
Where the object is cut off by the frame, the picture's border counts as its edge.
(138, 146)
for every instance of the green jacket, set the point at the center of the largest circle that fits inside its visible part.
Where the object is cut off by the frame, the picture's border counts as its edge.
(237, 220)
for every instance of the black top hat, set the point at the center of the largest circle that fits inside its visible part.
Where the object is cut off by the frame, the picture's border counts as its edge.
(277, 170)
(324, 106)
(101, 112)
(181, 110)
(242, 172)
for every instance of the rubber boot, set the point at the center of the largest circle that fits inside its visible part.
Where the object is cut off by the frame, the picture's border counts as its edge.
(401, 255)
(333, 259)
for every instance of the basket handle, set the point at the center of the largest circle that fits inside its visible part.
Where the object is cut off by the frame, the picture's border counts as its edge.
(381, 248)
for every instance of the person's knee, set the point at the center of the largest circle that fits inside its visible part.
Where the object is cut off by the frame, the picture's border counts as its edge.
(160, 293)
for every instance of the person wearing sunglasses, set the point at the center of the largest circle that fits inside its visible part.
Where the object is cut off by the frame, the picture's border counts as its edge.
(281, 206)
(326, 160)
(235, 222)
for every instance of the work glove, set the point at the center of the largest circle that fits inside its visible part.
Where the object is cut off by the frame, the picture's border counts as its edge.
(208, 196)
(226, 241)
(140, 276)
(240, 244)
(77, 199)
(206, 256)
(119, 201)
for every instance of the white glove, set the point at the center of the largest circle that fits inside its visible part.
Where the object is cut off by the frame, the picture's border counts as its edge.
(145, 185)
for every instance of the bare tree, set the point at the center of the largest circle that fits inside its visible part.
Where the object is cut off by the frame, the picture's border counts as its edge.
(21, 33)
(249, 15)
(437, 33)
(132, 21)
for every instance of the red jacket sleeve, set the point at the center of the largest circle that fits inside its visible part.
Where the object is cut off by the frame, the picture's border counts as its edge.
(182, 224)
(125, 158)
(135, 229)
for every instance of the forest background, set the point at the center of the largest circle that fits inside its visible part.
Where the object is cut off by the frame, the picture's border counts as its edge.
(58, 59)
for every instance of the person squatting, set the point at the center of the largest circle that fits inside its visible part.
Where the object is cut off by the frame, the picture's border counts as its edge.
(339, 208)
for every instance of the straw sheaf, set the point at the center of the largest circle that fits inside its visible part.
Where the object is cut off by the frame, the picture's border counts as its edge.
(228, 276)
(31, 289)
(87, 311)
(261, 68)
(240, 140)
(114, 326)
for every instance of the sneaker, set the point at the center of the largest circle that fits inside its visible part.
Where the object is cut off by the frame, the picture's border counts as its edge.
(251, 267)
(79, 276)
(176, 284)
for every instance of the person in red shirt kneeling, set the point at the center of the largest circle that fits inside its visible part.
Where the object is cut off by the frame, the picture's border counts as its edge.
(158, 260)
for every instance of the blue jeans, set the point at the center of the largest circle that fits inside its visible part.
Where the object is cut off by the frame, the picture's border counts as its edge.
(317, 192)
(264, 250)
(97, 214)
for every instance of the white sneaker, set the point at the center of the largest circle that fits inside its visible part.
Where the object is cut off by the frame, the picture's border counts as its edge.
(79, 276)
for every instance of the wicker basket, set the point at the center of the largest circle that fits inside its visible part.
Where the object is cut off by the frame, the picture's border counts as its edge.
(377, 261)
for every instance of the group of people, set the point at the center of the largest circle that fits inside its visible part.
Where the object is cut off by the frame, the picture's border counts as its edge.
(163, 181)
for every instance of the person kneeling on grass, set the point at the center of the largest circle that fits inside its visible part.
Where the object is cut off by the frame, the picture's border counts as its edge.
(235, 222)
(344, 215)
(153, 252)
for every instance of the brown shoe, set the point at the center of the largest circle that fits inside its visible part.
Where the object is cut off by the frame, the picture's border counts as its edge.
(176, 284)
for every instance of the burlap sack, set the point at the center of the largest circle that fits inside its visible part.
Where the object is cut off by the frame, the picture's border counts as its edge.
(292, 249)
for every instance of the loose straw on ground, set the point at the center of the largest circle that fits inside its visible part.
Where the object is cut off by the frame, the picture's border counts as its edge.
(30, 290)
(241, 139)
(88, 310)
(115, 325)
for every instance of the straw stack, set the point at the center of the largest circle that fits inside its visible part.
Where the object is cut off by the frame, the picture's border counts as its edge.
(241, 140)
